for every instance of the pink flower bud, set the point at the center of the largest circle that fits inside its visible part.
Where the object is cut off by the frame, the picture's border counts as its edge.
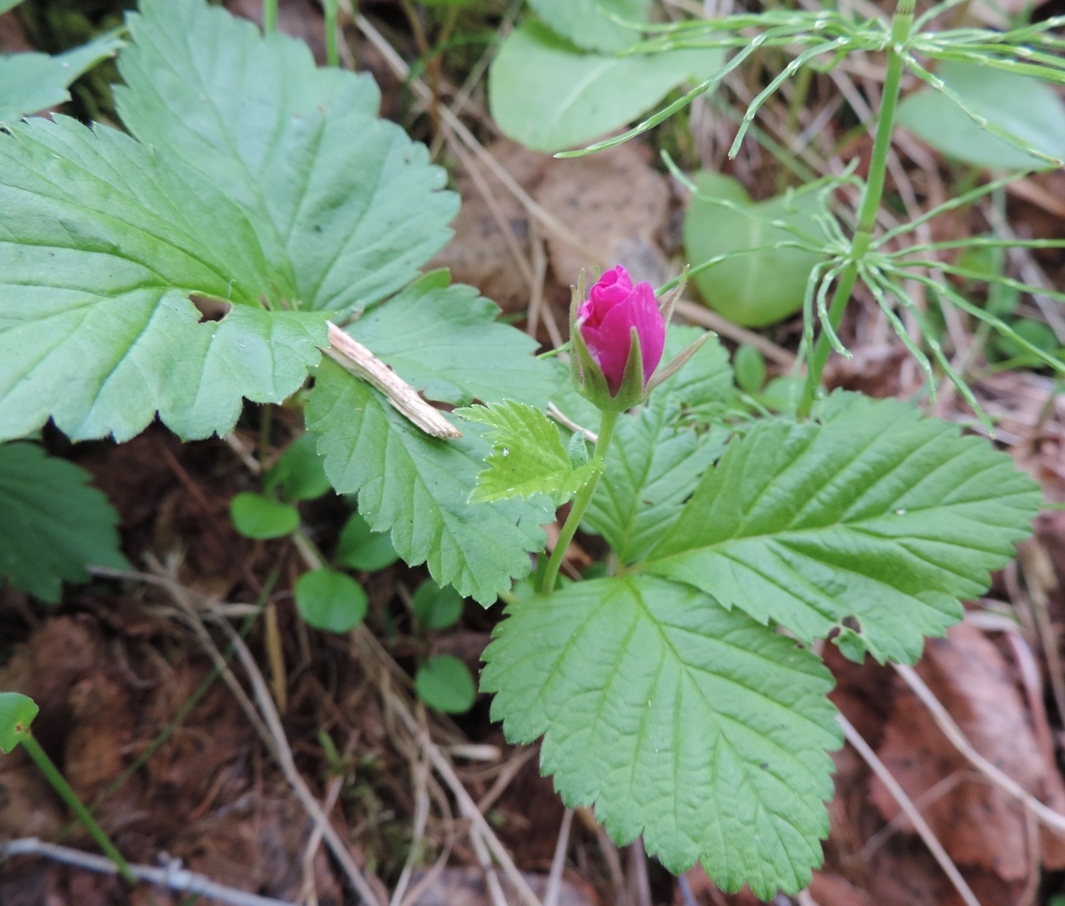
(606, 319)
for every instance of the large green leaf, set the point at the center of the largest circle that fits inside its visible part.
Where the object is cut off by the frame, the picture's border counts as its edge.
(100, 246)
(417, 487)
(877, 515)
(760, 281)
(587, 23)
(547, 94)
(345, 205)
(1026, 108)
(34, 81)
(263, 183)
(695, 726)
(52, 525)
(446, 341)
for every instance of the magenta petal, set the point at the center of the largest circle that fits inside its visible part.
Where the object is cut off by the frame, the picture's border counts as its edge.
(606, 320)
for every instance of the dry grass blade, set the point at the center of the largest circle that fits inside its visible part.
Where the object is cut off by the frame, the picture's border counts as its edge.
(1052, 819)
(911, 811)
(356, 358)
(551, 223)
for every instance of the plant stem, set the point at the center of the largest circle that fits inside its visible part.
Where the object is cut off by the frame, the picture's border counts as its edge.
(60, 785)
(332, 50)
(580, 504)
(269, 16)
(901, 23)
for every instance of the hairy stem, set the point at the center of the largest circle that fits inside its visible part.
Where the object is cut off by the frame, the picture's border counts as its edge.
(580, 504)
(60, 785)
(901, 23)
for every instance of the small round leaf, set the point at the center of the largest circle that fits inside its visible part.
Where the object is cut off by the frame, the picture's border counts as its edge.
(256, 516)
(444, 683)
(16, 714)
(749, 367)
(436, 607)
(360, 548)
(330, 600)
(299, 472)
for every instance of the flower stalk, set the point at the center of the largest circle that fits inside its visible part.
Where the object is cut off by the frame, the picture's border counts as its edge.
(580, 503)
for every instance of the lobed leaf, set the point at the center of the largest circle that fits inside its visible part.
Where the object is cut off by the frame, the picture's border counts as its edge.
(417, 487)
(677, 719)
(876, 514)
(652, 467)
(30, 82)
(527, 456)
(52, 525)
(345, 206)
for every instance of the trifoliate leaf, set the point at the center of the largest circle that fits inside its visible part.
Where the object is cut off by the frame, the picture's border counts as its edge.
(345, 205)
(527, 455)
(16, 714)
(30, 82)
(651, 468)
(52, 525)
(100, 247)
(417, 487)
(445, 341)
(876, 514)
(693, 725)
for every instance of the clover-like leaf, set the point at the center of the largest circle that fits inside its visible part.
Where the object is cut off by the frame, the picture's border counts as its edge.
(52, 524)
(345, 205)
(527, 456)
(876, 514)
(677, 719)
(417, 487)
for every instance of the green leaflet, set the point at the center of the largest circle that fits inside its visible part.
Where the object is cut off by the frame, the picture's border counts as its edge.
(693, 725)
(652, 468)
(52, 525)
(876, 514)
(417, 488)
(33, 81)
(346, 207)
(527, 456)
